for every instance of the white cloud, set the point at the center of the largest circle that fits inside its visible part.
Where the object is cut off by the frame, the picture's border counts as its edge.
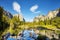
(16, 7)
(34, 8)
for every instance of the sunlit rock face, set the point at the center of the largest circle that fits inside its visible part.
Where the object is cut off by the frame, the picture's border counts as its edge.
(20, 17)
(52, 14)
(49, 16)
(39, 18)
(36, 19)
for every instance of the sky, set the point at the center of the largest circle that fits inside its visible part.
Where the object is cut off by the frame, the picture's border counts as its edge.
(30, 8)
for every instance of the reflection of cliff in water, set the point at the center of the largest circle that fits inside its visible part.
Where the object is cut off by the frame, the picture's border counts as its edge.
(47, 32)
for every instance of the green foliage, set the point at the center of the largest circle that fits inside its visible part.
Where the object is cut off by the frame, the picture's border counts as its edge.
(57, 31)
(14, 25)
(41, 22)
(3, 20)
(4, 24)
(1, 15)
(56, 22)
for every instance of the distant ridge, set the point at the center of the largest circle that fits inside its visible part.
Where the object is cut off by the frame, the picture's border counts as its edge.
(49, 16)
(8, 14)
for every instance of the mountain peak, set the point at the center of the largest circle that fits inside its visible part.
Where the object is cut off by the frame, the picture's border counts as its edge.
(50, 15)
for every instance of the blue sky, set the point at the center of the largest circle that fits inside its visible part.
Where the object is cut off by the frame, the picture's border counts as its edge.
(30, 8)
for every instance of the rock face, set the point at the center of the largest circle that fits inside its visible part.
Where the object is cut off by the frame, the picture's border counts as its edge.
(39, 18)
(20, 17)
(52, 14)
(58, 13)
(8, 14)
(49, 16)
